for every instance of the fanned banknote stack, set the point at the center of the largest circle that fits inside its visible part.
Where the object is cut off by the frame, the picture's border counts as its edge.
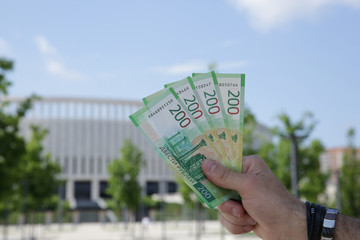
(197, 118)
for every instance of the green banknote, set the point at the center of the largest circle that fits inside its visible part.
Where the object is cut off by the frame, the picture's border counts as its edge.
(190, 102)
(206, 89)
(232, 88)
(187, 98)
(180, 143)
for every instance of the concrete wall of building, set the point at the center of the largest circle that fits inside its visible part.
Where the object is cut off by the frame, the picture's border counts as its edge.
(85, 135)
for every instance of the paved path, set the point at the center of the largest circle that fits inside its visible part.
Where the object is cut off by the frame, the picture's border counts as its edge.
(98, 231)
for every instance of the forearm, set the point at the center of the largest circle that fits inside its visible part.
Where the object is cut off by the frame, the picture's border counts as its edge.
(347, 228)
(297, 228)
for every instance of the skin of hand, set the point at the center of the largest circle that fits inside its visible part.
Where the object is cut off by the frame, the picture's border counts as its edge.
(347, 228)
(267, 208)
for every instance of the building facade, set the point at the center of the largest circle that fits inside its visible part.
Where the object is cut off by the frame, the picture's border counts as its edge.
(85, 135)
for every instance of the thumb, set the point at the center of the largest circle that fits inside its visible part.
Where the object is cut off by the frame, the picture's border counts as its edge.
(222, 176)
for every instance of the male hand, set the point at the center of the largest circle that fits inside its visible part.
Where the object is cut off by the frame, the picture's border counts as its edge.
(267, 207)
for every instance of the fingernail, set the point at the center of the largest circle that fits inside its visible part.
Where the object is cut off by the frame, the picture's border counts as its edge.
(209, 165)
(235, 212)
(251, 221)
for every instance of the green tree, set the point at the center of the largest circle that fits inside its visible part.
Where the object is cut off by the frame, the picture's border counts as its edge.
(212, 66)
(309, 181)
(185, 192)
(40, 173)
(350, 179)
(277, 156)
(12, 145)
(248, 137)
(295, 133)
(312, 182)
(123, 184)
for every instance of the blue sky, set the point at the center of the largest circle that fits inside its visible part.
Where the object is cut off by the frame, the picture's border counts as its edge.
(297, 55)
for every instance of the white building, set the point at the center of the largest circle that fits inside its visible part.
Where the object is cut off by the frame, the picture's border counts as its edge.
(85, 135)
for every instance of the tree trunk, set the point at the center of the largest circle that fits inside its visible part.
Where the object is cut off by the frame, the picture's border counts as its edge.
(294, 167)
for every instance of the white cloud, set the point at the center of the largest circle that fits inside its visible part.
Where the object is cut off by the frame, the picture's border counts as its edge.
(183, 68)
(267, 14)
(52, 63)
(56, 68)
(5, 50)
(44, 46)
(196, 65)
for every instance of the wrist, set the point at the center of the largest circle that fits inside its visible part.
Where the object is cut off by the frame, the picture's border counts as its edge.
(340, 224)
(296, 226)
(346, 228)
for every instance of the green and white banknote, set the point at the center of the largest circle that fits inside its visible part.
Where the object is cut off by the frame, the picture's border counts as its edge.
(202, 119)
(232, 89)
(206, 89)
(171, 130)
(187, 98)
(194, 119)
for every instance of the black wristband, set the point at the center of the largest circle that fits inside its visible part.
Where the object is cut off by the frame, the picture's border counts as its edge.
(308, 217)
(316, 232)
(319, 219)
(312, 219)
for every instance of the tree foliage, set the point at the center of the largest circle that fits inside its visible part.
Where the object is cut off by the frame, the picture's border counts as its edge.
(12, 145)
(249, 128)
(40, 173)
(301, 129)
(5, 66)
(186, 192)
(24, 169)
(312, 181)
(123, 184)
(350, 179)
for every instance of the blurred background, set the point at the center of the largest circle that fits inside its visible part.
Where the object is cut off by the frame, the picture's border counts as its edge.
(72, 165)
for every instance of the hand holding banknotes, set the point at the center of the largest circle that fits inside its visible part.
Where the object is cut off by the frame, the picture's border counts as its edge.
(267, 208)
(202, 117)
(194, 119)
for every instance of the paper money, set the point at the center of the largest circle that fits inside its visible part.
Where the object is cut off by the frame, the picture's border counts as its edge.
(231, 90)
(180, 143)
(189, 101)
(201, 117)
(206, 89)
